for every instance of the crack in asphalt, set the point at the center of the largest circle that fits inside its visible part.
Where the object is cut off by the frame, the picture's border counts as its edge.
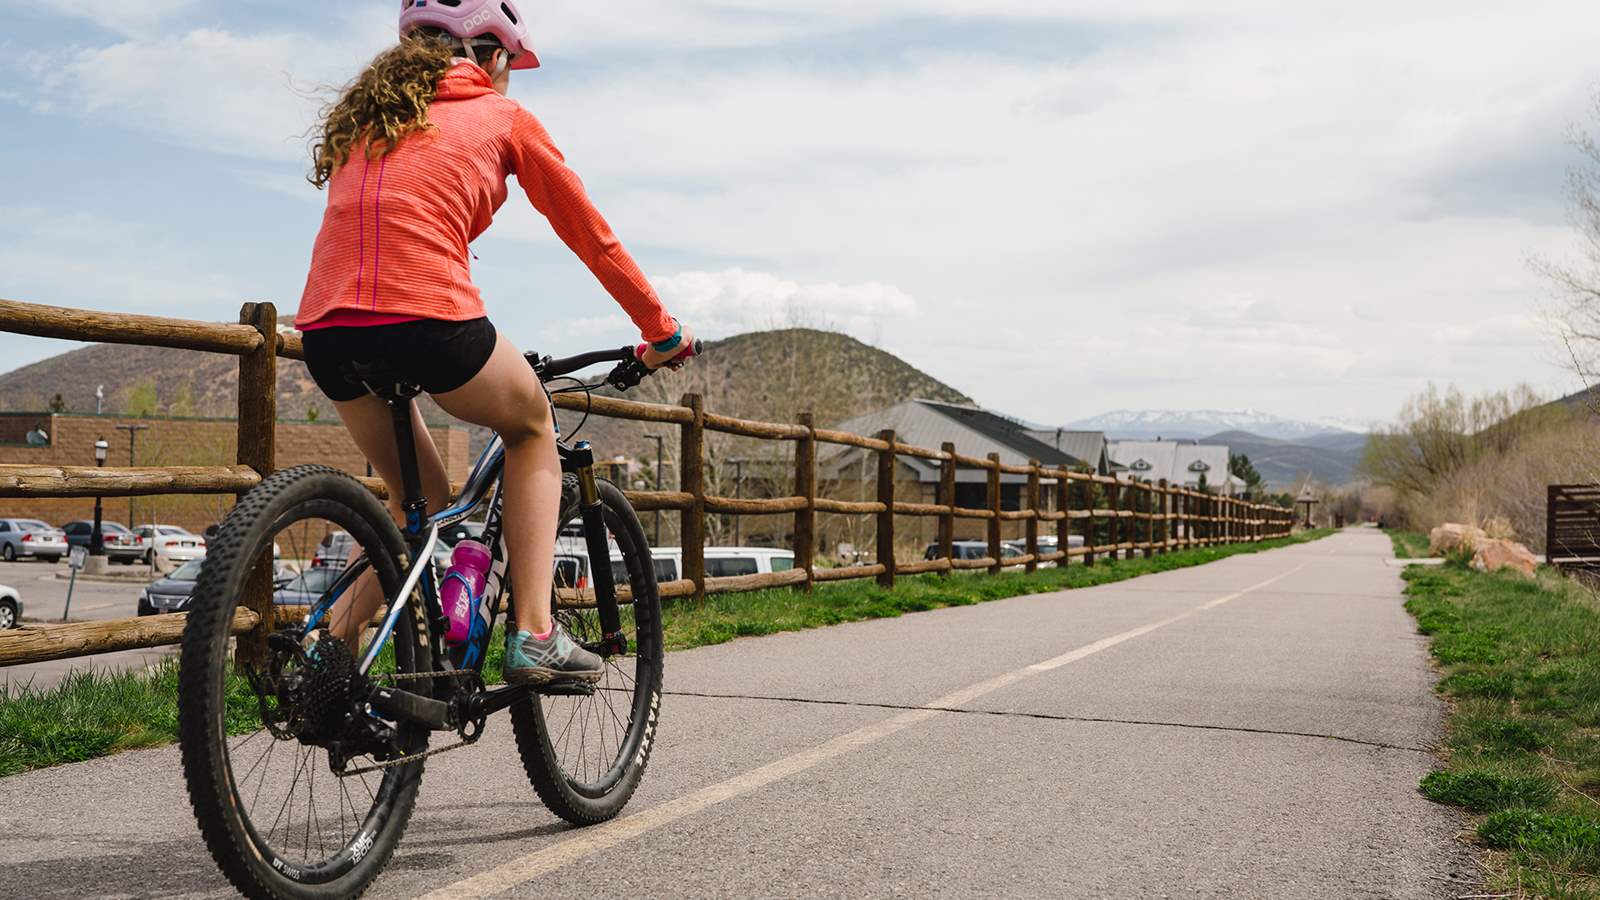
(1054, 717)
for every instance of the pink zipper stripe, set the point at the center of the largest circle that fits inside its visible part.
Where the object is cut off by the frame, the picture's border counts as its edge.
(377, 232)
(361, 228)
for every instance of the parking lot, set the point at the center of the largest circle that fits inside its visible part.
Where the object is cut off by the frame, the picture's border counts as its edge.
(44, 598)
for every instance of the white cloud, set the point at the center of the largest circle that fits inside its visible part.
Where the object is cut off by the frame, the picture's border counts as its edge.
(1233, 207)
(728, 302)
(91, 261)
(125, 16)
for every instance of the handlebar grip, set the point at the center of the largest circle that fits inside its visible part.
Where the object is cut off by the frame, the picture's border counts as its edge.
(629, 373)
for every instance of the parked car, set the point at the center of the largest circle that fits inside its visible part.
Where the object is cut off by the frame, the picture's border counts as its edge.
(30, 537)
(971, 550)
(170, 593)
(334, 551)
(307, 587)
(122, 545)
(721, 562)
(170, 543)
(1047, 544)
(10, 608)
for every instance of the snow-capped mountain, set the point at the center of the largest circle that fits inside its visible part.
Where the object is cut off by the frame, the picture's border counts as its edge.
(1128, 423)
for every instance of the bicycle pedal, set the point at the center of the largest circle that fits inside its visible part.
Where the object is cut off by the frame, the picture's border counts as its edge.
(566, 689)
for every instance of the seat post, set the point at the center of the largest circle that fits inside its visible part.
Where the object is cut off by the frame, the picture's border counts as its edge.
(414, 504)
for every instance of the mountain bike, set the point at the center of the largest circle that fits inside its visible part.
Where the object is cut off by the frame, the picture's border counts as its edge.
(303, 755)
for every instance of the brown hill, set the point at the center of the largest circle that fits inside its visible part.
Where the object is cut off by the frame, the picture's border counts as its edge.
(772, 375)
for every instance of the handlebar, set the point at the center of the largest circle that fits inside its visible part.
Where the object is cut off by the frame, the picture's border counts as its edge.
(629, 371)
(549, 367)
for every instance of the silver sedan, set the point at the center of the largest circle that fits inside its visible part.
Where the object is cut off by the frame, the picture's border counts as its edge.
(31, 538)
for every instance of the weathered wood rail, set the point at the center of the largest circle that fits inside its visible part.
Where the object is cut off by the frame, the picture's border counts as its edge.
(1133, 517)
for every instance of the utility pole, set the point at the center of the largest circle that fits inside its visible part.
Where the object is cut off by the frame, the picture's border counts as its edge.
(656, 541)
(133, 440)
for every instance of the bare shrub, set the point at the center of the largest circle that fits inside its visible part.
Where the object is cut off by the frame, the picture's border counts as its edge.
(1504, 492)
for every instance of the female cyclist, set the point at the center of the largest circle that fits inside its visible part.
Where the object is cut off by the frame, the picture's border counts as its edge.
(415, 155)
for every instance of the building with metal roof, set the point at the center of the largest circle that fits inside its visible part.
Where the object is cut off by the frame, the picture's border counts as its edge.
(1179, 462)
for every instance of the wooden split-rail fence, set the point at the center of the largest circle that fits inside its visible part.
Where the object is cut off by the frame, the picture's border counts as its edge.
(1119, 519)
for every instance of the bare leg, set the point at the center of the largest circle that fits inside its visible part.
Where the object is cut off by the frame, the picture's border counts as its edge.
(371, 426)
(507, 397)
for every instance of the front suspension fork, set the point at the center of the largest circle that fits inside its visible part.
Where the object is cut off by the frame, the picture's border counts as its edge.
(612, 641)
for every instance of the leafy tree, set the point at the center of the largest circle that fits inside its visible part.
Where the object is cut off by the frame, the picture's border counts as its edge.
(58, 404)
(312, 413)
(1239, 464)
(183, 404)
(1204, 485)
(142, 401)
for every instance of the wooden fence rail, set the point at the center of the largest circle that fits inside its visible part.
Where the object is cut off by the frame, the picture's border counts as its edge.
(1113, 518)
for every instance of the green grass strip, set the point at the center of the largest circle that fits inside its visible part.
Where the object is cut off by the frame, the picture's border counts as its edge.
(1409, 544)
(1522, 744)
(93, 714)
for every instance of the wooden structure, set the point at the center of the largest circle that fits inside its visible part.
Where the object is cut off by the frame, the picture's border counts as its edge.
(1135, 517)
(1572, 526)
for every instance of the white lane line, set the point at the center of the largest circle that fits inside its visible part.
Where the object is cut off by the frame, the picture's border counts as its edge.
(602, 837)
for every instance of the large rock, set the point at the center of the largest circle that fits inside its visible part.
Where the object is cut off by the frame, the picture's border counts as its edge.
(1453, 538)
(1492, 556)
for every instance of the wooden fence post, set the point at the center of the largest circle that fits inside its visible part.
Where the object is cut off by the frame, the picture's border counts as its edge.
(886, 518)
(1148, 492)
(692, 481)
(257, 439)
(1031, 526)
(805, 485)
(1552, 497)
(1114, 524)
(1166, 523)
(1088, 523)
(1063, 524)
(947, 497)
(994, 513)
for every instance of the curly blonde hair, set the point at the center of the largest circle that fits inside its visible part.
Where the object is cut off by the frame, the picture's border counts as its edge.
(385, 104)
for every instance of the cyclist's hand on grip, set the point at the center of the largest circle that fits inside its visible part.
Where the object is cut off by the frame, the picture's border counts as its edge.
(674, 358)
(646, 360)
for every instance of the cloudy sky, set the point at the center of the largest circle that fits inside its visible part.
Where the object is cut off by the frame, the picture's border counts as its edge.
(1060, 208)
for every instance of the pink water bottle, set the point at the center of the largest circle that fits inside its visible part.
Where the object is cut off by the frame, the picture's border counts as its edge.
(461, 592)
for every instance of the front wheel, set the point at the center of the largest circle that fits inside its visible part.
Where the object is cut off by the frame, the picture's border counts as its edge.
(586, 753)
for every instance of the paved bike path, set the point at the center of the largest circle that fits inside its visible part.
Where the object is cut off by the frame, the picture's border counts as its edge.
(1254, 727)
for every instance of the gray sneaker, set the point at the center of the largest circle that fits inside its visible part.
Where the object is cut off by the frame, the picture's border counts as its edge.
(530, 661)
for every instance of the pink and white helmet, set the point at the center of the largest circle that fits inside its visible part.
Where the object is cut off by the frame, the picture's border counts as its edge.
(473, 18)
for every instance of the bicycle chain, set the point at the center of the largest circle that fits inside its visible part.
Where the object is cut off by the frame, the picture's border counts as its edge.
(401, 676)
(404, 761)
(407, 760)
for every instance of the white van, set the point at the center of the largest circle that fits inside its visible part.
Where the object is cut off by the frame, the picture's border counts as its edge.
(572, 562)
(724, 562)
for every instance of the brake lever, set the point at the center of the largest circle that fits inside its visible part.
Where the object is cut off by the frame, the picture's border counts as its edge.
(629, 373)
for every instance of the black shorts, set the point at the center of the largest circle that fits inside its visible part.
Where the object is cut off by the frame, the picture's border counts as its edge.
(439, 356)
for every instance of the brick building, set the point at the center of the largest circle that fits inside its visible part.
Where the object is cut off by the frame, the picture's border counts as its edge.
(70, 441)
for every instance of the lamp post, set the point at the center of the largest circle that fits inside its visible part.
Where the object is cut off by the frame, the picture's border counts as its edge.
(656, 541)
(97, 539)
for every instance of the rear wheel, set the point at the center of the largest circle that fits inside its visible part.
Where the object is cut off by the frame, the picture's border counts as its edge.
(271, 747)
(586, 753)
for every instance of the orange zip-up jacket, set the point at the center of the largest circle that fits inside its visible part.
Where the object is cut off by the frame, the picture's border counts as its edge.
(394, 238)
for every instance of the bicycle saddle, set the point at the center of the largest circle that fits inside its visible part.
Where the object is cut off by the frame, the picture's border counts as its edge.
(378, 377)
